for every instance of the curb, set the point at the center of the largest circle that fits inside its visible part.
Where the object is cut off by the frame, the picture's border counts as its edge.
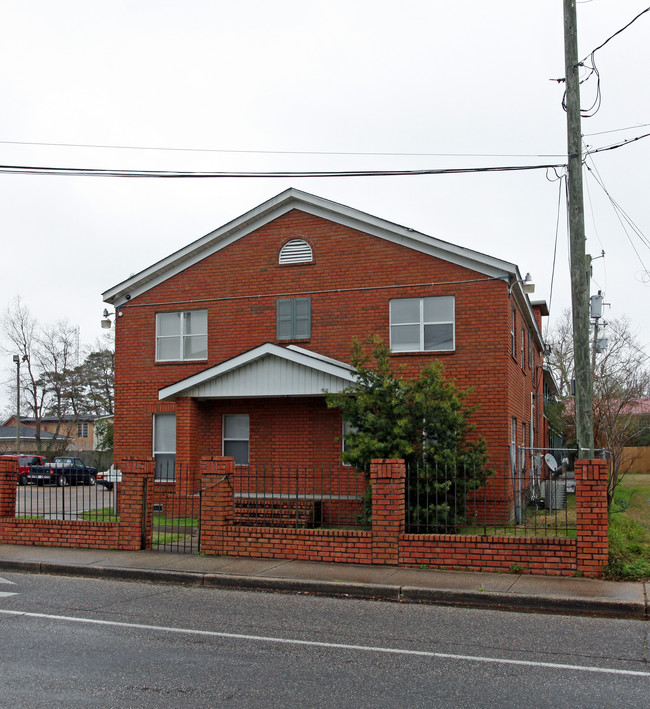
(484, 600)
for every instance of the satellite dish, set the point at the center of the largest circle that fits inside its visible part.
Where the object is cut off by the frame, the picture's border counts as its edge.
(551, 462)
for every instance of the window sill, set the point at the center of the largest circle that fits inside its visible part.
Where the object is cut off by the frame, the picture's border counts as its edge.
(294, 342)
(426, 353)
(179, 361)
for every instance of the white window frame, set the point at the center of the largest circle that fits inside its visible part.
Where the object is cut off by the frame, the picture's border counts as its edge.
(182, 336)
(346, 428)
(422, 323)
(166, 453)
(82, 429)
(224, 440)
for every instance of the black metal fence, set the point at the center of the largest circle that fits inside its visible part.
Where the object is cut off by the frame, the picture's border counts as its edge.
(91, 501)
(307, 496)
(176, 501)
(526, 498)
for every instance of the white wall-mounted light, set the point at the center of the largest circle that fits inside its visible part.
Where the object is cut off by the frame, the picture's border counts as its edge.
(527, 284)
(106, 320)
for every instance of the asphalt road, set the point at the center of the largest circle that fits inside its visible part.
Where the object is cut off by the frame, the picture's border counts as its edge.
(71, 642)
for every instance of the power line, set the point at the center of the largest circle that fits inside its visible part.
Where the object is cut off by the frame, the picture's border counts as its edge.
(614, 130)
(172, 174)
(281, 152)
(600, 46)
(614, 146)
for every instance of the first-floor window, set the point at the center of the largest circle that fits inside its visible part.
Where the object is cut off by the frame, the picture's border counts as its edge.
(346, 429)
(422, 324)
(82, 430)
(164, 447)
(236, 437)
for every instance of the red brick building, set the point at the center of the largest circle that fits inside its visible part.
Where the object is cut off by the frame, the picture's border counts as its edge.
(225, 347)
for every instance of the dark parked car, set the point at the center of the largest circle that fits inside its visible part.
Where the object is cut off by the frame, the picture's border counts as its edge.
(63, 471)
(24, 462)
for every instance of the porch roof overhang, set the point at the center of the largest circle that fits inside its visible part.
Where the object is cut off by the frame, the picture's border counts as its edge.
(267, 370)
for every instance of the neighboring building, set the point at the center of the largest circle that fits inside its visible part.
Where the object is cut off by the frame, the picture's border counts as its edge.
(28, 443)
(225, 347)
(76, 433)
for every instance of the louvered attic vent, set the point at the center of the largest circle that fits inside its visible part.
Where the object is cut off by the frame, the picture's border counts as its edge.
(295, 251)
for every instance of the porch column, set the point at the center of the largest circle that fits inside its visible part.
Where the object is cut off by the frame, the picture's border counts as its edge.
(591, 516)
(187, 444)
(217, 502)
(388, 478)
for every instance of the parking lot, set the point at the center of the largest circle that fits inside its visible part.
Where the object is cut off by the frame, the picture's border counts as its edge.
(52, 502)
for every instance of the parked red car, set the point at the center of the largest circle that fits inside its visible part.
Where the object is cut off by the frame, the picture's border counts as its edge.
(24, 461)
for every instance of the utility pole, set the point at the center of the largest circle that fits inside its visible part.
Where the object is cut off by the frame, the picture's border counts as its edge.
(17, 363)
(580, 269)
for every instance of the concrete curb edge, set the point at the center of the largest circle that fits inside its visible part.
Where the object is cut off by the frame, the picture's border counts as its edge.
(487, 600)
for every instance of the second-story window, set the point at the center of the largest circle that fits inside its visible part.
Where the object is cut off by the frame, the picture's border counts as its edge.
(181, 336)
(294, 318)
(82, 429)
(422, 324)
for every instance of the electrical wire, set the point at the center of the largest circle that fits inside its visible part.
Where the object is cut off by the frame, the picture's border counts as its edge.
(616, 130)
(600, 46)
(282, 152)
(624, 218)
(167, 174)
(592, 69)
(614, 146)
(557, 231)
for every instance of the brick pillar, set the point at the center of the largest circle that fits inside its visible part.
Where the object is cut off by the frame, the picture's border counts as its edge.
(8, 477)
(187, 444)
(591, 516)
(217, 502)
(388, 479)
(135, 503)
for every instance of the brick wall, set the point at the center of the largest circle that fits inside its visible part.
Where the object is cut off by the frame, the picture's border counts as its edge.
(239, 286)
(387, 544)
(125, 534)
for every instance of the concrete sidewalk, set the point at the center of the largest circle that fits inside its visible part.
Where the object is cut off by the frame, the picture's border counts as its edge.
(543, 594)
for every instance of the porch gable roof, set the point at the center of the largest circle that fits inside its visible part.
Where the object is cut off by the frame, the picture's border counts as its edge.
(267, 370)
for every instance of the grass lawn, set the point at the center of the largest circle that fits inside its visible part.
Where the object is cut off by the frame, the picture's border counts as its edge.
(104, 514)
(629, 529)
(159, 538)
(159, 520)
(538, 523)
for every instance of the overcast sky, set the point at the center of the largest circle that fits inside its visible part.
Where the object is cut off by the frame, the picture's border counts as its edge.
(355, 85)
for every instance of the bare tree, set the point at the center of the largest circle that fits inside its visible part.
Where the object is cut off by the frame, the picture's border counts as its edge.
(621, 375)
(48, 355)
(20, 328)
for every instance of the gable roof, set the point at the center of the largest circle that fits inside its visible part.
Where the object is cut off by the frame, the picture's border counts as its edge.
(8, 433)
(267, 370)
(316, 206)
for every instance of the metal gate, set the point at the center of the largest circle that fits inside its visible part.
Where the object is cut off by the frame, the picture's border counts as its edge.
(176, 522)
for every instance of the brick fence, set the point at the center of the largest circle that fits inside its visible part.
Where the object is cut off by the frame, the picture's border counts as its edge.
(386, 543)
(126, 534)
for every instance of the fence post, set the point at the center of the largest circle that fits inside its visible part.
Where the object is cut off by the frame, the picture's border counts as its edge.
(217, 502)
(388, 479)
(135, 522)
(591, 516)
(8, 477)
